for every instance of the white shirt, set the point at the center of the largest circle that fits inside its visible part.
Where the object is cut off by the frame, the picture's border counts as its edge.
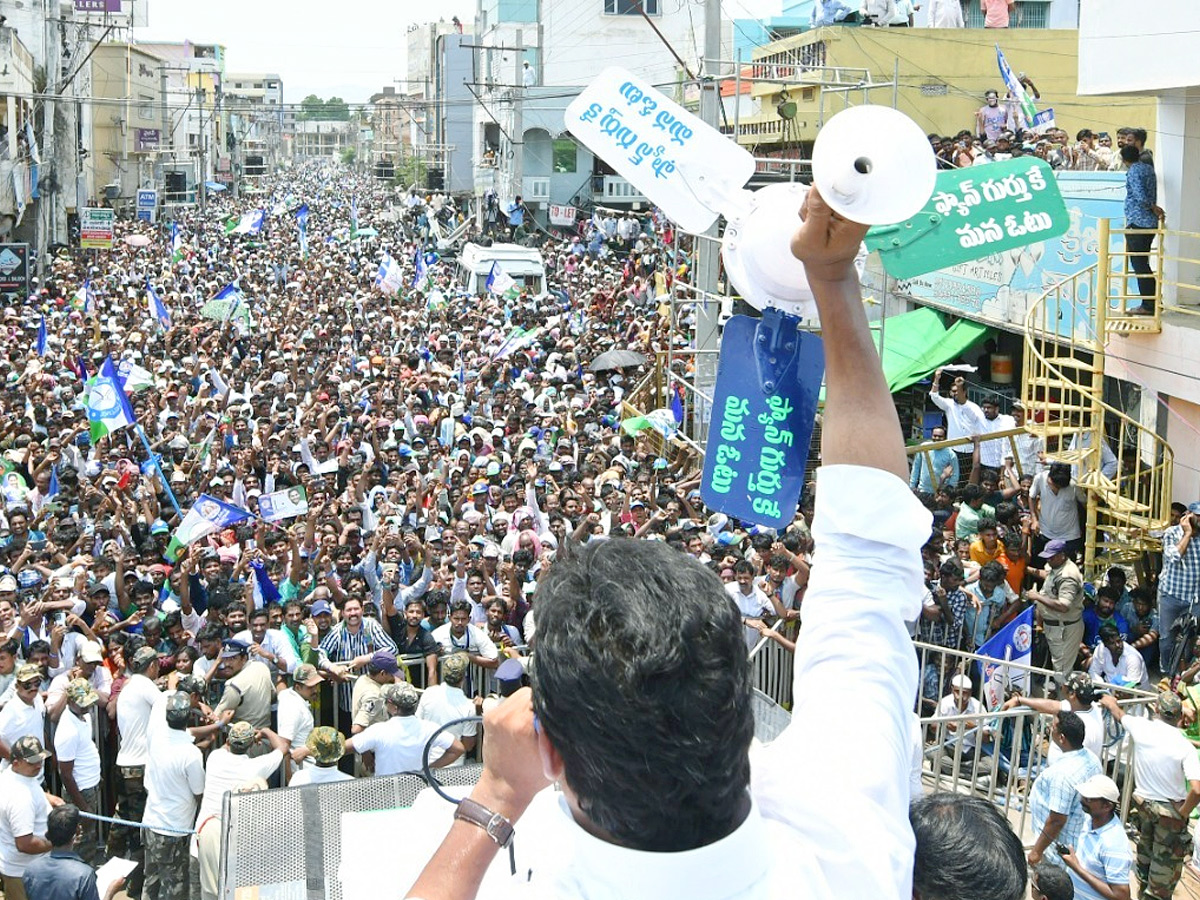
(838, 776)
(1058, 516)
(962, 419)
(751, 606)
(1164, 760)
(227, 771)
(945, 14)
(23, 810)
(174, 779)
(101, 682)
(313, 774)
(442, 703)
(992, 453)
(274, 642)
(398, 744)
(18, 720)
(73, 743)
(134, 705)
(1129, 669)
(948, 706)
(474, 641)
(295, 718)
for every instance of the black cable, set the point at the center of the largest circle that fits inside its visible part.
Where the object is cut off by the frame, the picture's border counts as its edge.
(427, 769)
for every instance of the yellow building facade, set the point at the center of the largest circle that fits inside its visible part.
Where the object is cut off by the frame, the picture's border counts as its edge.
(940, 78)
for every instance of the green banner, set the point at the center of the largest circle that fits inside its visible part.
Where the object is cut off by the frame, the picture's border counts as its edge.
(975, 213)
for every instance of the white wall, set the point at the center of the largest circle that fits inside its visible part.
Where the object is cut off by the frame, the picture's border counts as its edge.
(580, 41)
(1126, 46)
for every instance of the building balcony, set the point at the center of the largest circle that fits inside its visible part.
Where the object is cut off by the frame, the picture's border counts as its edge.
(615, 189)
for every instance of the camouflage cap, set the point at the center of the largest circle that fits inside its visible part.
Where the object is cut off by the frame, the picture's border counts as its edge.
(241, 736)
(81, 693)
(28, 672)
(29, 749)
(454, 667)
(179, 709)
(143, 658)
(307, 675)
(326, 745)
(403, 696)
(1169, 705)
(191, 684)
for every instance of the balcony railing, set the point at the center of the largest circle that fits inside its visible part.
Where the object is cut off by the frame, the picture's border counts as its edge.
(616, 188)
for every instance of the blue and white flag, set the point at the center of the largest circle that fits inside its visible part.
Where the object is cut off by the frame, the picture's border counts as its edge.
(247, 223)
(176, 243)
(302, 225)
(41, 337)
(265, 591)
(422, 269)
(390, 276)
(499, 281)
(1013, 83)
(208, 514)
(107, 407)
(1011, 644)
(85, 298)
(157, 308)
(52, 487)
(353, 216)
(134, 378)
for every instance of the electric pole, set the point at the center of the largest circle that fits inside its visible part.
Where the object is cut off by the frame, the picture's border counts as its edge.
(518, 132)
(708, 308)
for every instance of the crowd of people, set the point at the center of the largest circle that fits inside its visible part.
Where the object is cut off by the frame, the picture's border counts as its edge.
(383, 477)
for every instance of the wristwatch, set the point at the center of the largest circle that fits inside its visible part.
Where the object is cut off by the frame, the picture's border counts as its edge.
(498, 828)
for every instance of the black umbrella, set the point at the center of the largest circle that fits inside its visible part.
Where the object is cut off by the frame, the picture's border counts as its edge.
(616, 359)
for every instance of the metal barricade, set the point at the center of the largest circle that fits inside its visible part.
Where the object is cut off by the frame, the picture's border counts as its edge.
(772, 666)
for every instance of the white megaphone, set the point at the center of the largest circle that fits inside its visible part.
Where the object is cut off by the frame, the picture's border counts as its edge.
(872, 165)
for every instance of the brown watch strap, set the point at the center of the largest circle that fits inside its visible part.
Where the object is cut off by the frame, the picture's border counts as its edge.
(498, 828)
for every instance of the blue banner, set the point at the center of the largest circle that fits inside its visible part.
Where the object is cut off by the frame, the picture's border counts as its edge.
(764, 407)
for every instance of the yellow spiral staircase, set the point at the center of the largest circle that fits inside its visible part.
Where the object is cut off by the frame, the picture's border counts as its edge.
(1066, 330)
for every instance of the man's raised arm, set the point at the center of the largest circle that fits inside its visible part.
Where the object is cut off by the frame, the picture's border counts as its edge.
(856, 673)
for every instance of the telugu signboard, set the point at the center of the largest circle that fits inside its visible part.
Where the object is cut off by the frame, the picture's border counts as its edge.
(14, 269)
(679, 163)
(146, 139)
(999, 289)
(96, 228)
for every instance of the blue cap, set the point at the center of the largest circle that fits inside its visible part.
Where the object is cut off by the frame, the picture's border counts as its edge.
(1194, 508)
(321, 608)
(1053, 548)
(231, 647)
(510, 670)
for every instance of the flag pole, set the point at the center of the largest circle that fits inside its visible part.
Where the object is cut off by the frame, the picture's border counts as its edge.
(158, 468)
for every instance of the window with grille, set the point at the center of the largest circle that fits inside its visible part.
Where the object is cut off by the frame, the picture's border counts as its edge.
(1028, 14)
(631, 7)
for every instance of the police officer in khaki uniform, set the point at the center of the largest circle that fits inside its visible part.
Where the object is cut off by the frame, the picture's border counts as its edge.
(1060, 607)
(1166, 771)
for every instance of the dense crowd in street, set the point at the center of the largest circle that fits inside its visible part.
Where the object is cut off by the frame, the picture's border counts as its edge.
(316, 537)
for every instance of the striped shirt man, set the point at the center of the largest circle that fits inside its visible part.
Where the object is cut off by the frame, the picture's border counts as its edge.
(342, 645)
(1054, 792)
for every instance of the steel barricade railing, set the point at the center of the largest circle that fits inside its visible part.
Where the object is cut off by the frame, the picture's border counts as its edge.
(771, 668)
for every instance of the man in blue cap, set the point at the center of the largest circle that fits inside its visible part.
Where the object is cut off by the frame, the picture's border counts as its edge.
(1060, 607)
(249, 690)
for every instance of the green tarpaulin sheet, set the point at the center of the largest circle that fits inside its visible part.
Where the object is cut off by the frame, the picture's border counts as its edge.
(917, 342)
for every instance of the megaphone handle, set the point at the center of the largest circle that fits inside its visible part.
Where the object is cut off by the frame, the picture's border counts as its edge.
(775, 347)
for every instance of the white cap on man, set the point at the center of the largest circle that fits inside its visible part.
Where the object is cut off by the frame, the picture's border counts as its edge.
(962, 682)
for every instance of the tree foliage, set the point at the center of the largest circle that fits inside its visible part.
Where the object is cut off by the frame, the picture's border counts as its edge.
(335, 109)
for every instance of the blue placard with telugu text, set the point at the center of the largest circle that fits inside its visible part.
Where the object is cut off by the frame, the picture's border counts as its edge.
(764, 407)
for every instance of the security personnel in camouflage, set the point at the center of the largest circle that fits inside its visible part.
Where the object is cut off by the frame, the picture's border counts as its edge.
(1164, 761)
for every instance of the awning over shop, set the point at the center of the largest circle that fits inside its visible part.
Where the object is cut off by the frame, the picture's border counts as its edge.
(917, 342)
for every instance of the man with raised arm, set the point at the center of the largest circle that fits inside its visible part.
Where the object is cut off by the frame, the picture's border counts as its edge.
(641, 714)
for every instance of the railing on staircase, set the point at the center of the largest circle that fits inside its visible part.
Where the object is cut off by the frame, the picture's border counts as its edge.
(1066, 330)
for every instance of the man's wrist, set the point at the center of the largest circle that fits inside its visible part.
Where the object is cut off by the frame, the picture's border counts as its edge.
(499, 798)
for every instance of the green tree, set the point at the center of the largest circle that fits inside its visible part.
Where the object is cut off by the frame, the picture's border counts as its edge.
(348, 155)
(338, 109)
(410, 170)
(312, 107)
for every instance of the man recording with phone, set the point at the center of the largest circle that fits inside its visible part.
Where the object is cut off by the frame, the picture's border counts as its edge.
(633, 635)
(1178, 582)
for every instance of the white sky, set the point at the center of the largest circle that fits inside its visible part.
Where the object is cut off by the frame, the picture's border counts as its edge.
(345, 48)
